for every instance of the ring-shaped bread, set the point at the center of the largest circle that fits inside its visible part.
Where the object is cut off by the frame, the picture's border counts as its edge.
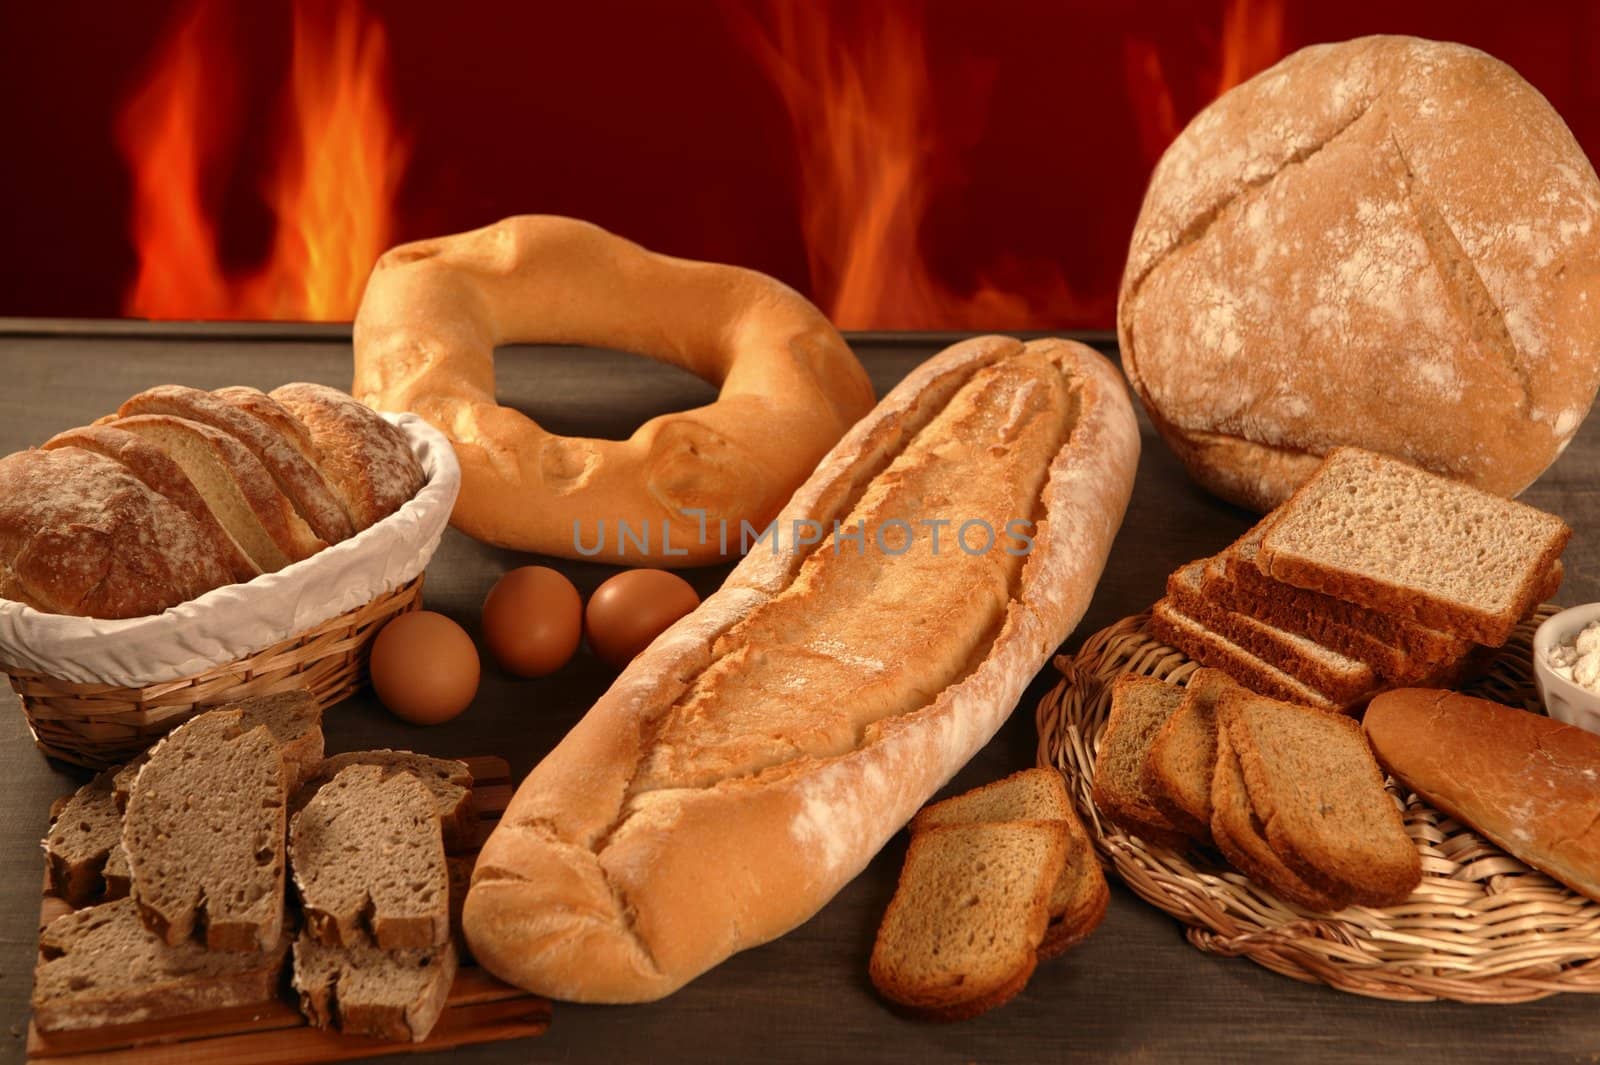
(435, 310)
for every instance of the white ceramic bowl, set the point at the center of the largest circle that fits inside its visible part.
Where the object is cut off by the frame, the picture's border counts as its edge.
(1564, 700)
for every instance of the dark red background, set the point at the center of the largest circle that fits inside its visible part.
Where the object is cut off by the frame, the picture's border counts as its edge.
(653, 118)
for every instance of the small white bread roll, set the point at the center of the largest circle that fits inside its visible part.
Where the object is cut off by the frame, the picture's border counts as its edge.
(1389, 242)
(756, 756)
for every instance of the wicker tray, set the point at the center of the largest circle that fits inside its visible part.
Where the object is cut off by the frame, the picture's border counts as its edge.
(1482, 927)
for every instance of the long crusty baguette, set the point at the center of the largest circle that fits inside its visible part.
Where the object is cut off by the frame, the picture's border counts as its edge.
(1531, 784)
(755, 757)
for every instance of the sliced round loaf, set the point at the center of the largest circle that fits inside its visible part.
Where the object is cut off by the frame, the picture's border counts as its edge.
(80, 534)
(238, 489)
(204, 833)
(1387, 242)
(277, 448)
(158, 470)
(366, 460)
(368, 859)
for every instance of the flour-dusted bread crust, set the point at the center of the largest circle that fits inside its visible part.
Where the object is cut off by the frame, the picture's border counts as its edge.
(1387, 242)
(157, 469)
(366, 460)
(588, 891)
(81, 535)
(271, 436)
(236, 486)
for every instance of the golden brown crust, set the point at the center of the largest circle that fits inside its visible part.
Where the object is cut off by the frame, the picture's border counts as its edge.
(1524, 781)
(152, 466)
(578, 896)
(80, 534)
(790, 385)
(277, 515)
(1383, 242)
(270, 437)
(366, 460)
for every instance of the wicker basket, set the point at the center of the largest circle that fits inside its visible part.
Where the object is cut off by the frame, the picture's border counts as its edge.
(1482, 927)
(100, 725)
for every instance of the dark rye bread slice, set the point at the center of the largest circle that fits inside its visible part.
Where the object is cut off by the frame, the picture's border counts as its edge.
(1377, 531)
(1176, 629)
(1318, 792)
(292, 717)
(1183, 756)
(83, 833)
(368, 860)
(1242, 840)
(1394, 646)
(1140, 706)
(103, 966)
(963, 930)
(449, 780)
(1342, 678)
(1079, 899)
(204, 833)
(362, 990)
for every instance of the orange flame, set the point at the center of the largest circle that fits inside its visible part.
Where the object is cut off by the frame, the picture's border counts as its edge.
(332, 195)
(1251, 40)
(866, 144)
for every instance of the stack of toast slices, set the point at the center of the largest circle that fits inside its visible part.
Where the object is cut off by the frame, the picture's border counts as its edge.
(1374, 575)
(1291, 795)
(995, 881)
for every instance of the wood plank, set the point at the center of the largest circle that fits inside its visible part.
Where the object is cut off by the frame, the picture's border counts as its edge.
(480, 1008)
(483, 1022)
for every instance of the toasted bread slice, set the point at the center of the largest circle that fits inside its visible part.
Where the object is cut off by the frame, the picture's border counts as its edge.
(1343, 678)
(1382, 533)
(963, 931)
(1183, 756)
(1140, 706)
(1079, 899)
(1318, 792)
(1173, 627)
(1241, 840)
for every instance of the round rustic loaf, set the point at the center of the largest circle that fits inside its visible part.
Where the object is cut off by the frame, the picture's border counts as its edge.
(1387, 242)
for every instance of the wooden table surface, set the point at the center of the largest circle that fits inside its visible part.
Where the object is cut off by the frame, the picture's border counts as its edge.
(1135, 992)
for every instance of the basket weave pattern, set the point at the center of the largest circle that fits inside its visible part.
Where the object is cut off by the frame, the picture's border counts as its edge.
(100, 725)
(1482, 927)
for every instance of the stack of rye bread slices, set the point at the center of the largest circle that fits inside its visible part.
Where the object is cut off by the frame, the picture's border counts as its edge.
(183, 491)
(995, 881)
(174, 870)
(1291, 795)
(1373, 575)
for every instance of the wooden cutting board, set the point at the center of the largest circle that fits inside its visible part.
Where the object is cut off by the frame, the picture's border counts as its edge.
(481, 1009)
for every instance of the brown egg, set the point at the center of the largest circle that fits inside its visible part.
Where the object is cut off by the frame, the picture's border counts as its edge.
(424, 668)
(532, 621)
(633, 608)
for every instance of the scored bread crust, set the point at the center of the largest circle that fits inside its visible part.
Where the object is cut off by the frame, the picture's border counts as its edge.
(266, 438)
(157, 469)
(366, 460)
(571, 901)
(76, 536)
(290, 536)
(1386, 241)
